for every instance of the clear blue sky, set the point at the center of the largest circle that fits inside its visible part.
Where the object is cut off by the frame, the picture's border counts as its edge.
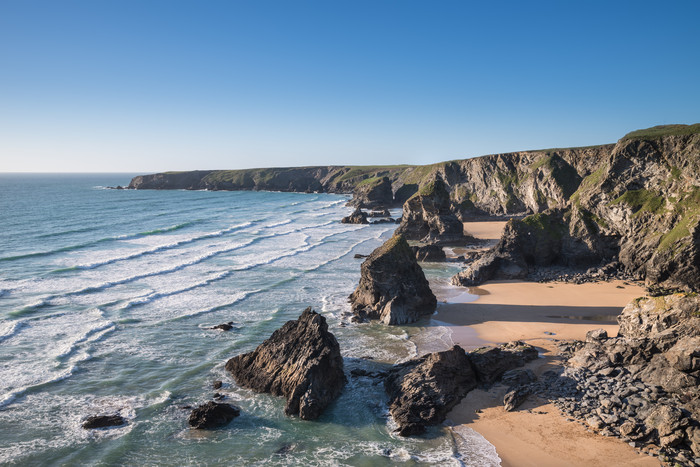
(146, 86)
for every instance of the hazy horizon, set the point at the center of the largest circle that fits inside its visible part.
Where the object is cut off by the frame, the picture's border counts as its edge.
(172, 86)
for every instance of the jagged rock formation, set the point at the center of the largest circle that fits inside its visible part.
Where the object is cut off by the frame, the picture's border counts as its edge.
(300, 361)
(392, 288)
(422, 391)
(640, 207)
(643, 384)
(357, 217)
(428, 216)
(213, 415)
(373, 192)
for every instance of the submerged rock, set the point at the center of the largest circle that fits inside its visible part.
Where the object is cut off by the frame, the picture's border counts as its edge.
(300, 361)
(392, 288)
(357, 217)
(213, 415)
(103, 421)
(422, 391)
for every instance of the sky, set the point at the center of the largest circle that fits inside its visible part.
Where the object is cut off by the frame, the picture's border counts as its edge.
(145, 86)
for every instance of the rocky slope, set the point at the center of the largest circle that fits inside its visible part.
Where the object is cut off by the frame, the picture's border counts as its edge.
(300, 361)
(392, 288)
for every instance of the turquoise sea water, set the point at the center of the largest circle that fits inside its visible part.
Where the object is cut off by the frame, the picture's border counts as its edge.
(106, 302)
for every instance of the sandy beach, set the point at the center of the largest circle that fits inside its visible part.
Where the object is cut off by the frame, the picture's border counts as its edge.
(536, 434)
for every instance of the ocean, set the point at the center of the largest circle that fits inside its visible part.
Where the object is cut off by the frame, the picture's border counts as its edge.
(107, 300)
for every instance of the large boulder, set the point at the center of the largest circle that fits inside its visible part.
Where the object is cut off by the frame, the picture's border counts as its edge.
(373, 192)
(300, 361)
(422, 391)
(213, 415)
(427, 216)
(393, 288)
(429, 253)
(103, 421)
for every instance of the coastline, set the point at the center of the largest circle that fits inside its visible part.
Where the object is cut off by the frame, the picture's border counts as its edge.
(536, 434)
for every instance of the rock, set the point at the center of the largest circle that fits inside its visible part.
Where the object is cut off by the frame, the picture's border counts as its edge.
(357, 217)
(693, 435)
(103, 421)
(392, 288)
(213, 415)
(429, 253)
(518, 377)
(373, 193)
(300, 361)
(359, 256)
(427, 216)
(217, 384)
(491, 362)
(665, 420)
(224, 327)
(514, 398)
(596, 335)
(379, 213)
(685, 354)
(422, 391)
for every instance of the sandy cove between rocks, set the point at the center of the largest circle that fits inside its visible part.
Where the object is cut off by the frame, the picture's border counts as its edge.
(536, 434)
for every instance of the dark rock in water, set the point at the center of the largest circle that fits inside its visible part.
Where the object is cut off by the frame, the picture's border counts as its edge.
(514, 398)
(387, 220)
(225, 326)
(392, 286)
(357, 217)
(300, 361)
(429, 253)
(427, 216)
(219, 396)
(213, 415)
(218, 384)
(491, 362)
(359, 256)
(286, 449)
(422, 391)
(103, 421)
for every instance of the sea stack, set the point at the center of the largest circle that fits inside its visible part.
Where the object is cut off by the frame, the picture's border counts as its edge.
(393, 288)
(300, 361)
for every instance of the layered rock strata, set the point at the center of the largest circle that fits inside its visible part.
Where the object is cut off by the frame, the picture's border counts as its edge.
(392, 288)
(300, 361)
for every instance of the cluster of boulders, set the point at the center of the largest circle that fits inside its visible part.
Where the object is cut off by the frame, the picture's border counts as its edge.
(422, 391)
(642, 385)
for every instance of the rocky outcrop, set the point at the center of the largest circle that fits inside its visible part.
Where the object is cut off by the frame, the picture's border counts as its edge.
(213, 415)
(300, 361)
(357, 217)
(490, 363)
(643, 384)
(103, 421)
(392, 288)
(422, 391)
(427, 216)
(429, 253)
(373, 193)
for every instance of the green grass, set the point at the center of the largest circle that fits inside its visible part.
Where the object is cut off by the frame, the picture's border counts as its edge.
(663, 130)
(687, 209)
(592, 180)
(546, 225)
(370, 181)
(642, 201)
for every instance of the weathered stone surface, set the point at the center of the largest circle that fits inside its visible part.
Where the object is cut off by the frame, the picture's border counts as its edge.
(596, 335)
(392, 288)
(518, 377)
(515, 397)
(427, 216)
(491, 362)
(103, 421)
(373, 193)
(429, 253)
(300, 361)
(357, 217)
(213, 415)
(422, 391)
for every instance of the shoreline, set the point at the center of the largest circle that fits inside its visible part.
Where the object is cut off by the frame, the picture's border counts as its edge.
(535, 434)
